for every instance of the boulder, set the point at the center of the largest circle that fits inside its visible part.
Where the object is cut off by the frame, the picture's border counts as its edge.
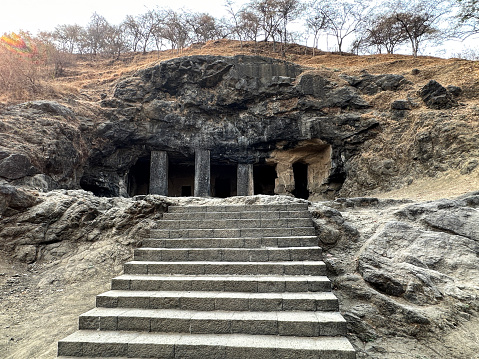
(436, 96)
(372, 84)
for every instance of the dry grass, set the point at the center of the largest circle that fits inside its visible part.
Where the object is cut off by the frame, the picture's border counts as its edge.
(91, 77)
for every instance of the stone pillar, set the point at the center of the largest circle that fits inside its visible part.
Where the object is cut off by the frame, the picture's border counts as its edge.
(245, 185)
(202, 173)
(159, 173)
(284, 183)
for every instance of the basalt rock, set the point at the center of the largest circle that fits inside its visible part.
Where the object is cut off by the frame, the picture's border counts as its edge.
(41, 138)
(436, 96)
(240, 108)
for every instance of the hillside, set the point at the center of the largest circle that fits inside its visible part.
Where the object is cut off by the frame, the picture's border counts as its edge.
(392, 131)
(447, 173)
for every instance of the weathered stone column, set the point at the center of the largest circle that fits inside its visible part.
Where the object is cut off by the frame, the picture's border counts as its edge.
(159, 173)
(245, 185)
(202, 173)
(284, 183)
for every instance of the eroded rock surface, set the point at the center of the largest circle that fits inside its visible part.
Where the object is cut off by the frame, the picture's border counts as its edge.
(412, 273)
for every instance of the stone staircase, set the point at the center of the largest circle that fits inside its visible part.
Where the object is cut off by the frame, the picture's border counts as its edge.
(219, 282)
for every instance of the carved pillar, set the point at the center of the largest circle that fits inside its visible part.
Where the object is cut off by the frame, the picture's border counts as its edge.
(159, 173)
(284, 183)
(245, 186)
(202, 173)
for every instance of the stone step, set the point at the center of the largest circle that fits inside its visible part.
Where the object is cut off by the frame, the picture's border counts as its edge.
(230, 233)
(200, 346)
(287, 323)
(244, 242)
(224, 268)
(233, 223)
(206, 301)
(236, 215)
(225, 283)
(229, 254)
(241, 208)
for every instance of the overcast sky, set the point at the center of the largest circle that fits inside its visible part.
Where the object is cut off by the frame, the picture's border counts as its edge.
(45, 15)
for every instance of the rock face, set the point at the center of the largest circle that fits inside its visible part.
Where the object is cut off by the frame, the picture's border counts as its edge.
(438, 97)
(240, 108)
(41, 146)
(308, 133)
(411, 272)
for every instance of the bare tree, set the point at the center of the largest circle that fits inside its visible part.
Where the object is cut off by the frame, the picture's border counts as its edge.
(175, 30)
(68, 37)
(250, 25)
(384, 31)
(116, 40)
(236, 17)
(204, 27)
(289, 10)
(316, 21)
(342, 18)
(267, 11)
(133, 30)
(418, 21)
(468, 17)
(95, 33)
(148, 24)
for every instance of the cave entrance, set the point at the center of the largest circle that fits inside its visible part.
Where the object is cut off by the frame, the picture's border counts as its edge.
(300, 171)
(181, 178)
(139, 177)
(264, 177)
(223, 180)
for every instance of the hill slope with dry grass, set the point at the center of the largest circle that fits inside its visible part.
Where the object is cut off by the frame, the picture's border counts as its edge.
(448, 171)
(61, 248)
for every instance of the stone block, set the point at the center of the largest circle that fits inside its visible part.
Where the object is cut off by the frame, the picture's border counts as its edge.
(134, 323)
(197, 303)
(296, 286)
(105, 349)
(109, 323)
(133, 302)
(231, 304)
(165, 302)
(120, 284)
(135, 268)
(74, 349)
(170, 325)
(298, 328)
(241, 286)
(89, 322)
(149, 350)
(104, 301)
(271, 286)
(279, 255)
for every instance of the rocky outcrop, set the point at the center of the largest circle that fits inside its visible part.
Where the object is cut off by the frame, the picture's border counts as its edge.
(243, 109)
(412, 272)
(240, 108)
(41, 145)
(372, 84)
(437, 97)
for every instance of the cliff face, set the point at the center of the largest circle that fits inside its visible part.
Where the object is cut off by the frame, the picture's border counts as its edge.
(355, 134)
(406, 273)
(240, 108)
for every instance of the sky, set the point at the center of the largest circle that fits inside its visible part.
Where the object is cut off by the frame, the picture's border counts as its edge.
(45, 15)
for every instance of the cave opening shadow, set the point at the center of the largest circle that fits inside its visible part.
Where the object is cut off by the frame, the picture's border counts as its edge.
(264, 177)
(139, 177)
(223, 180)
(300, 171)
